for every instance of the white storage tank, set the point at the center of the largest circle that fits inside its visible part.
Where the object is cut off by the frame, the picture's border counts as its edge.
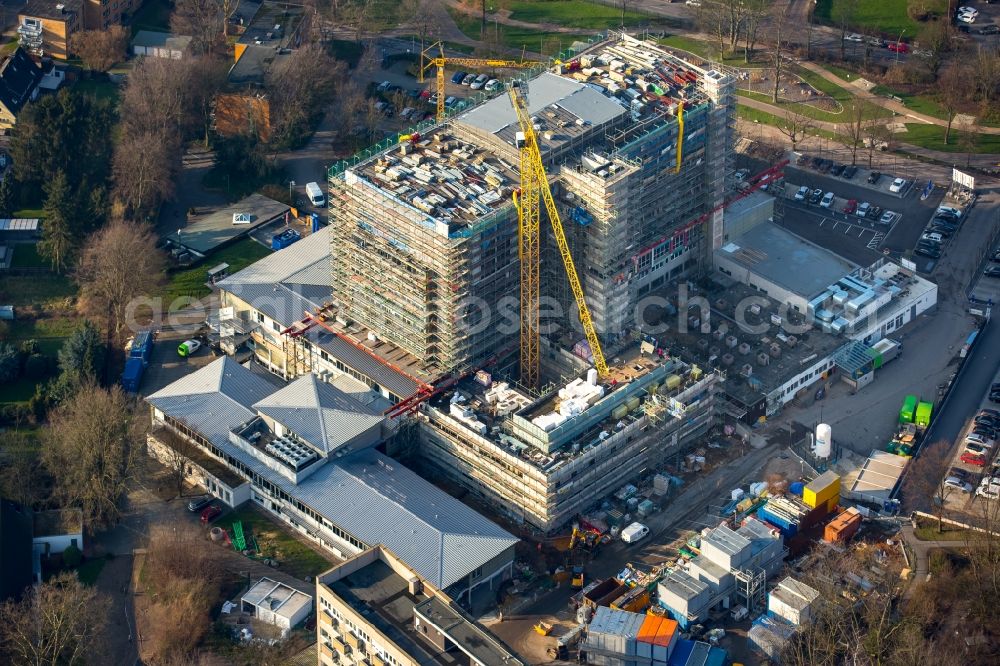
(824, 440)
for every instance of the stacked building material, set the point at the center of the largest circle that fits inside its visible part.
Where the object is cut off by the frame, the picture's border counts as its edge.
(785, 513)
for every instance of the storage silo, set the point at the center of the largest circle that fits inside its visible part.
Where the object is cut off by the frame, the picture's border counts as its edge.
(824, 440)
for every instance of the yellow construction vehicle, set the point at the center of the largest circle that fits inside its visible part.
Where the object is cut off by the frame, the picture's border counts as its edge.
(534, 190)
(543, 628)
(429, 59)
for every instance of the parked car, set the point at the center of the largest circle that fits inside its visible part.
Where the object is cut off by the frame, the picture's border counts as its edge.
(874, 213)
(492, 85)
(815, 162)
(952, 482)
(978, 439)
(874, 177)
(973, 459)
(458, 77)
(801, 193)
(897, 185)
(899, 47)
(827, 200)
(815, 196)
(854, 37)
(928, 252)
(976, 449)
(948, 210)
(959, 473)
(944, 231)
(210, 513)
(887, 217)
(468, 80)
(199, 503)
(634, 532)
(863, 209)
(992, 29)
(851, 206)
(837, 169)
(932, 237)
(968, 18)
(992, 271)
(877, 41)
(988, 492)
(849, 172)
(480, 82)
(802, 160)
(995, 413)
(825, 165)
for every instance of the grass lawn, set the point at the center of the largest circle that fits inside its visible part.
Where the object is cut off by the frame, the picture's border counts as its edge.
(49, 333)
(708, 51)
(26, 256)
(19, 390)
(537, 41)
(932, 137)
(90, 570)
(8, 47)
(845, 74)
(765, 118)
(573, 14)
(29, 213)
(44, 289)
(152, 15)
(928, 531)
(925, 104)
(191, 281)
(276, 541)
(99, 88)
(888, 17)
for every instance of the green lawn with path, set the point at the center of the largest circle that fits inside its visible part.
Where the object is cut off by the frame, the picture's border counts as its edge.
(276, 541)
(753, 115)
(708, 51)
(574, 14)
(932, 137)
(190, 282)
(888, 17)
(548, 43)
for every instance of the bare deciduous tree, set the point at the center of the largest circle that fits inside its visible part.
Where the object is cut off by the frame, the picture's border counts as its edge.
(119, 264)
(935, 39)
(986, 76)
(754, 13)
(844, 12)
(143, 167)
(92, 450)
(56, 623)
(795, 127)
(203, 20)
(778, 17)
(855, 125)
(100, 49)
(952, 92)
(299, 85)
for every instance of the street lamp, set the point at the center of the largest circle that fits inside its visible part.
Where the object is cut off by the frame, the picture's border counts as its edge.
(899, 44)
(291, 184)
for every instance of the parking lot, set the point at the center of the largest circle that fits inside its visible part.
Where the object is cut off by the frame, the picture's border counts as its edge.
(892, 222)
(964, 499)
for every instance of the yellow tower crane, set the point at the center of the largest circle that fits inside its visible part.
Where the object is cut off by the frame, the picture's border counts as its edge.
(428, 59)
(534, 190)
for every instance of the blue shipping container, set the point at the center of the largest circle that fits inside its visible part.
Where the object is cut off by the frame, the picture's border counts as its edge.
(142, 346)
(787, 529)
(132, 375)
(682, 650)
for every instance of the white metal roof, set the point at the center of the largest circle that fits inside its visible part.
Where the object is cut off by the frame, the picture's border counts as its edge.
(368, 495)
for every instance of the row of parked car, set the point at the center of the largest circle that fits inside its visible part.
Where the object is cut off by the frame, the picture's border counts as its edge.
(863, 210)
(942, 226)
(978, 449)
(823, 165)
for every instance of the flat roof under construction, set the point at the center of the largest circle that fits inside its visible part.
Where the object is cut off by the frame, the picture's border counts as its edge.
(878, 476)
(787, 260)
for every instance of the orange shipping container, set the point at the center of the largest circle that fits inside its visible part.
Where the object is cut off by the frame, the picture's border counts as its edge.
(843, 527)
(666, 633)
(647, 632)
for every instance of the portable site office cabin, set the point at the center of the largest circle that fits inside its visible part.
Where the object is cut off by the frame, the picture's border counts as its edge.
(907, 412)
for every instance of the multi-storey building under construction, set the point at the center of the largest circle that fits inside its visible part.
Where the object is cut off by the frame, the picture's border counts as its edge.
(637, 143)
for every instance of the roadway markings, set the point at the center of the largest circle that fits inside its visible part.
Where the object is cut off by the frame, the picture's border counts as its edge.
(876, 240)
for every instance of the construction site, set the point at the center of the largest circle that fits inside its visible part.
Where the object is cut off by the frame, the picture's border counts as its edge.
(633, 144)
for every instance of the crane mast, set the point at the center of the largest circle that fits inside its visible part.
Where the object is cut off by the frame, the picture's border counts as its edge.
(535, 190)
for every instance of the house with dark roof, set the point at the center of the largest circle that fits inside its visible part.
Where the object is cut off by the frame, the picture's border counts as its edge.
(19, 79)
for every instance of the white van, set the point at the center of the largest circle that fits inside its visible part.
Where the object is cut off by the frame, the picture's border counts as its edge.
(634, 532)
(315, 194)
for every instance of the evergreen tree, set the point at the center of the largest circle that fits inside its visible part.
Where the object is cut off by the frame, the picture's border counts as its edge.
(58, 230)
(82, 355)
(8, 195)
